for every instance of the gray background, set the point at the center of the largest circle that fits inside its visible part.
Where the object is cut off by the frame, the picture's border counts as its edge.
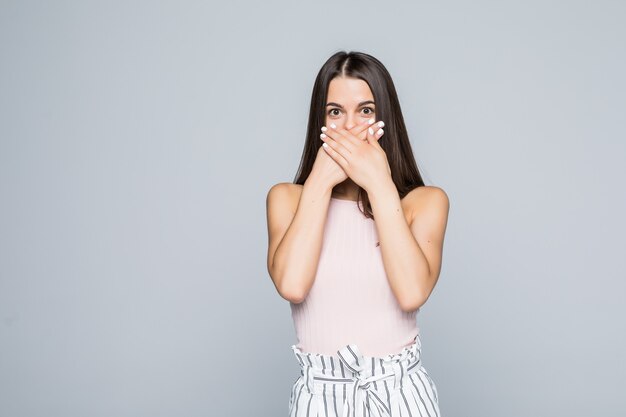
(138, 143)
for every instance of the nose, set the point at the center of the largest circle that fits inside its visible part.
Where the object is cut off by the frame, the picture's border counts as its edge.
(350, 122)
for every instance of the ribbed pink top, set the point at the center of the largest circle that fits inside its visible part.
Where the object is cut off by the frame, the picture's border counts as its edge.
(351, 300)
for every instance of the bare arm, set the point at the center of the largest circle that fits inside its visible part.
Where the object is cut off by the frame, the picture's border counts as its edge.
(412, 253)
(296, 230)
(295, 236)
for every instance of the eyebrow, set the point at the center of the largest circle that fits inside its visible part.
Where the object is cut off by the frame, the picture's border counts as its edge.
(363, 103)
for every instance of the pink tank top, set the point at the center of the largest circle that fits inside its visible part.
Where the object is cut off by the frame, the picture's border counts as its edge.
(351, 300)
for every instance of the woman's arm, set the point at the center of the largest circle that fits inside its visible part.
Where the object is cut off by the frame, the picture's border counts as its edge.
(411, 252)
(295, 230)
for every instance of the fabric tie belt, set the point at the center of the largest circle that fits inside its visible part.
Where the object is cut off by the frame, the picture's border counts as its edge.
(362, 398)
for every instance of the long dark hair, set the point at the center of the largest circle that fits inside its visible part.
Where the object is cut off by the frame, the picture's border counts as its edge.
(395, 142)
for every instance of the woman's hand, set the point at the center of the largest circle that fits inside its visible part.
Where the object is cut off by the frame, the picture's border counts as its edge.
(364, 161)
(328, 171)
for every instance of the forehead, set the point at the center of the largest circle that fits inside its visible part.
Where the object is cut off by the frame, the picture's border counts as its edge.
(348, 91)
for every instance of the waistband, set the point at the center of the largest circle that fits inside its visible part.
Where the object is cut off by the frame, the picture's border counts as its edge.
(358, 372)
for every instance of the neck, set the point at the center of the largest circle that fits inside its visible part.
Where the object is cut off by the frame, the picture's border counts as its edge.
(347, 189)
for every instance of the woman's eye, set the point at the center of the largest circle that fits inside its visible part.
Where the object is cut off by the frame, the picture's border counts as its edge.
(369, 111)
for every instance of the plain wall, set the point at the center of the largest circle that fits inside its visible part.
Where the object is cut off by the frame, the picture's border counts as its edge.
(138, 141)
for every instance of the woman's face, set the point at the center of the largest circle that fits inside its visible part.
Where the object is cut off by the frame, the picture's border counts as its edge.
(350, 102)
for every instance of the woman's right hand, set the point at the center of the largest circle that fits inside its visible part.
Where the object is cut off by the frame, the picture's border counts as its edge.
(326, 170)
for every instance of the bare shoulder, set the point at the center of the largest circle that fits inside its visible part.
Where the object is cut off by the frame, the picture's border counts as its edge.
(426, 202)
(281, 205)
(283, 197)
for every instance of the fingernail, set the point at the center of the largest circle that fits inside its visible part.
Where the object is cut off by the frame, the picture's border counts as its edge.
(381, 124)
(370, 121)
(371, 131)
(380, 132)
(324, 129)
(322, 136)
(333, 126)
(325, 145)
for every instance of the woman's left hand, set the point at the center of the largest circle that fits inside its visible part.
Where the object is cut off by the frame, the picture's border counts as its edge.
(364, 161)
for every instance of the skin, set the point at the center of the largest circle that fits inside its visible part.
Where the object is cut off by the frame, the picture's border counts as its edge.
(349, 92)
(410, 230)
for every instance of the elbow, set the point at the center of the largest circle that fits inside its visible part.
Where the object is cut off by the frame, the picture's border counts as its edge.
(413, 300)
(286, 290)
(409, 307)
(410, 304)
(293, 295)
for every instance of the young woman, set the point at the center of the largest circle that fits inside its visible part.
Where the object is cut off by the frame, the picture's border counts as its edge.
(355, 246)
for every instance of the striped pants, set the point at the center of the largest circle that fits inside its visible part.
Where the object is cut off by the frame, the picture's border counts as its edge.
(352, 385)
